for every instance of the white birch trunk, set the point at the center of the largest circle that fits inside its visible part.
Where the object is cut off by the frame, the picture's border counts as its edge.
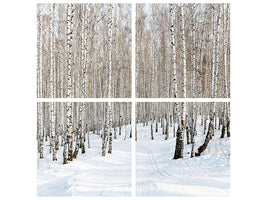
(214, 77)
(52, 81)
(107, 131)
(67, 144)
(225, 30)
(167, 122)
(40, 83)
(183, 53)
(175, 89)
(213, 51)
(216, 55)
(224, 69)
(194, 92)
(84, 71)
(110, 31)
(41, 129)
(179, 146)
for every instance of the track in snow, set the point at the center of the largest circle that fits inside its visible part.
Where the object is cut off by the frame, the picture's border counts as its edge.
(157, 174)
(88, 175)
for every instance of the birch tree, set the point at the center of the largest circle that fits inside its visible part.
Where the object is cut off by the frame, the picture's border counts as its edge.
(52, 82)
(226, 121)
(78, 139)
(90, 49)
(40, 81)
(194, 92)
(108, 118)
(179, 147)
(145, 121)
(110, 38)
(214, 88)
(175, 90)
(153, 54)
(67, 152)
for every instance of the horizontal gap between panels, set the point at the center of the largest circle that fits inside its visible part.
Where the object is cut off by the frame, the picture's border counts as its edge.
(132, 100)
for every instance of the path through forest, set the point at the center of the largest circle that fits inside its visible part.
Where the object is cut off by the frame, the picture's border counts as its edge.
(157, 174)
(90, 174)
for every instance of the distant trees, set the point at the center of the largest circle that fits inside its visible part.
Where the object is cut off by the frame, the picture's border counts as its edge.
(88, 26)
(72, 134)
(191, 61)
(212, 115)
(197, 113)
(159, 48)
(84, 51)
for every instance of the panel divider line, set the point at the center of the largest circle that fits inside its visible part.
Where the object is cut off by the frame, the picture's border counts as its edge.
(182, 100)
(84, 100)
(133, 100)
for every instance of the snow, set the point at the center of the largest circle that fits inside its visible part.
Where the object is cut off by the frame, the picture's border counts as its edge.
(157, 174)
(90, 174)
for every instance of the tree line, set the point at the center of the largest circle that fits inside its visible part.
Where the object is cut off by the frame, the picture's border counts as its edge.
(185, 47)
(73, 47)
(84, 51)
(53, 126)
(164, 115)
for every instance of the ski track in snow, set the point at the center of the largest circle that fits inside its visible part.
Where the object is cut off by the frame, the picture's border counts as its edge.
(157, 174)
(90, 174)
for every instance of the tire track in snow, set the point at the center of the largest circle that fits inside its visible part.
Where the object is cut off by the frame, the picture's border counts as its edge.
(158, 170)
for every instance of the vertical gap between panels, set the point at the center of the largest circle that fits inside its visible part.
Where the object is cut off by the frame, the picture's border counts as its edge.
(133, 99)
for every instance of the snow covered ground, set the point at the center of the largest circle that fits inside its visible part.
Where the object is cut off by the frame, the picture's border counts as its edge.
(157, 174)
(90, 174)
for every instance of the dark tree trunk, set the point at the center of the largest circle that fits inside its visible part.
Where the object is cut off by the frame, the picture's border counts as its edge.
(207, 139)
(228, 128)
(115, 133)
(193, 133)
(76, 150)
(167, 130)
(163, 126)
(187, 135)
(173, 130)
(77, 146)
(193, 142)
(205, 126)
(130, 133)
(152, 136)
(70, 148)
(179, 145)
(82, 140)
(223, 131)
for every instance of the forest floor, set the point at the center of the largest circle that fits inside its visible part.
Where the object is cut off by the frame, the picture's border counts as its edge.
(157, 174)
(90, 174)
